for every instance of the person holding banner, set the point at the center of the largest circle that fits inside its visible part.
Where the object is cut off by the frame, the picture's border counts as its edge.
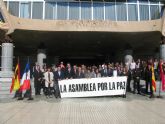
(49, 77)
(104, 71)
(58, 75)
(80, 74)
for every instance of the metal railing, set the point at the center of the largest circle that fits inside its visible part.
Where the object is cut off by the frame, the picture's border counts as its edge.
(116, 11)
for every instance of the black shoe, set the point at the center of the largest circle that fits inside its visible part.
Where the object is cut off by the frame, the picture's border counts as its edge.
(139, 93)
(20, 98)
(151, 96)
(31, 98)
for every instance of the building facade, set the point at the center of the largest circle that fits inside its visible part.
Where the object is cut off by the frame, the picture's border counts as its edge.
(81, 30)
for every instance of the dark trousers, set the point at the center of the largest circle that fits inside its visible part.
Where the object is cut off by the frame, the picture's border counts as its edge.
(57, 90)
(28, 93)
(49, 90)
(136, 84)
(37, 88)
(151, 90)
(128, 84)
(43, 86)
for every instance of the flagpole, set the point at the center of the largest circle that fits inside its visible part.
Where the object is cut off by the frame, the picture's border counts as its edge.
(20, 92)
(28, 59)
(30, 90)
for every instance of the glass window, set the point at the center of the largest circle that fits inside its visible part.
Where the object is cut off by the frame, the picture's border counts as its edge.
(14, 8)
(25, 10)
(62, 10)
(98, 11)
(121, 12)
(110, 11)
(74, 11)
(132, 12)
(154, 10)
(144, 12)
(86, 11)
(37, 10)
(50, 10)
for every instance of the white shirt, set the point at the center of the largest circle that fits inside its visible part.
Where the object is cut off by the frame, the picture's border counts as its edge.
(138, 65)
(127, 65)
(59, 73)
(132, 65)
(47, 79)
(155, 65)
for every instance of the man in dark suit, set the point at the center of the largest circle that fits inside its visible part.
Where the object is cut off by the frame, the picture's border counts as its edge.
(74, 73)
(37, 80)
(104, 71)
(58, 75)
(136, 77)
(68, 72)
(80, 74)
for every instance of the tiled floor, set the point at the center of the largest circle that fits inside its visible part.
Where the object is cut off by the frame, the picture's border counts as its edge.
(134, 109)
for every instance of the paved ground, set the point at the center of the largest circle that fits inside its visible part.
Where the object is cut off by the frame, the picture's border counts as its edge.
(135, 109)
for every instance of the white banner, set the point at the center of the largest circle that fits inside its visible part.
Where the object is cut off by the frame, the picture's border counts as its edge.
(104, 86)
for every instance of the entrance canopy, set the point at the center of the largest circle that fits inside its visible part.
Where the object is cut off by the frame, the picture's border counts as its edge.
(79, 45)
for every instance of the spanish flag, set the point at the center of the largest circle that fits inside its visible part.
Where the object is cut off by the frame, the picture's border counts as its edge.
(16, 79)
(153, 79)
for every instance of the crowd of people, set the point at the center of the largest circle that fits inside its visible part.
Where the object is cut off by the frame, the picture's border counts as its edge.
(48, 77)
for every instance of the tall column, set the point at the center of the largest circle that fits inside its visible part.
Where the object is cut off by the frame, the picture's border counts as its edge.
(7, 59)
(56, 60)
(128, 56)
(162, 49)
(157, 53)
(41, 55)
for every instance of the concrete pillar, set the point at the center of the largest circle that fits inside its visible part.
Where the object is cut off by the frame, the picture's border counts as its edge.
(128, 56)
(7, 60)
(41, 55)
(156, 56)
(162, 51)
(56, 60)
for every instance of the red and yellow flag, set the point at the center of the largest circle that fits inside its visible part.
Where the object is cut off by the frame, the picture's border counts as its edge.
(153, 79)
(162, 76)
(16, 79)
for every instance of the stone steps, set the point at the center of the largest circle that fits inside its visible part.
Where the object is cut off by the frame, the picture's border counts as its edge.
(5, 84)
